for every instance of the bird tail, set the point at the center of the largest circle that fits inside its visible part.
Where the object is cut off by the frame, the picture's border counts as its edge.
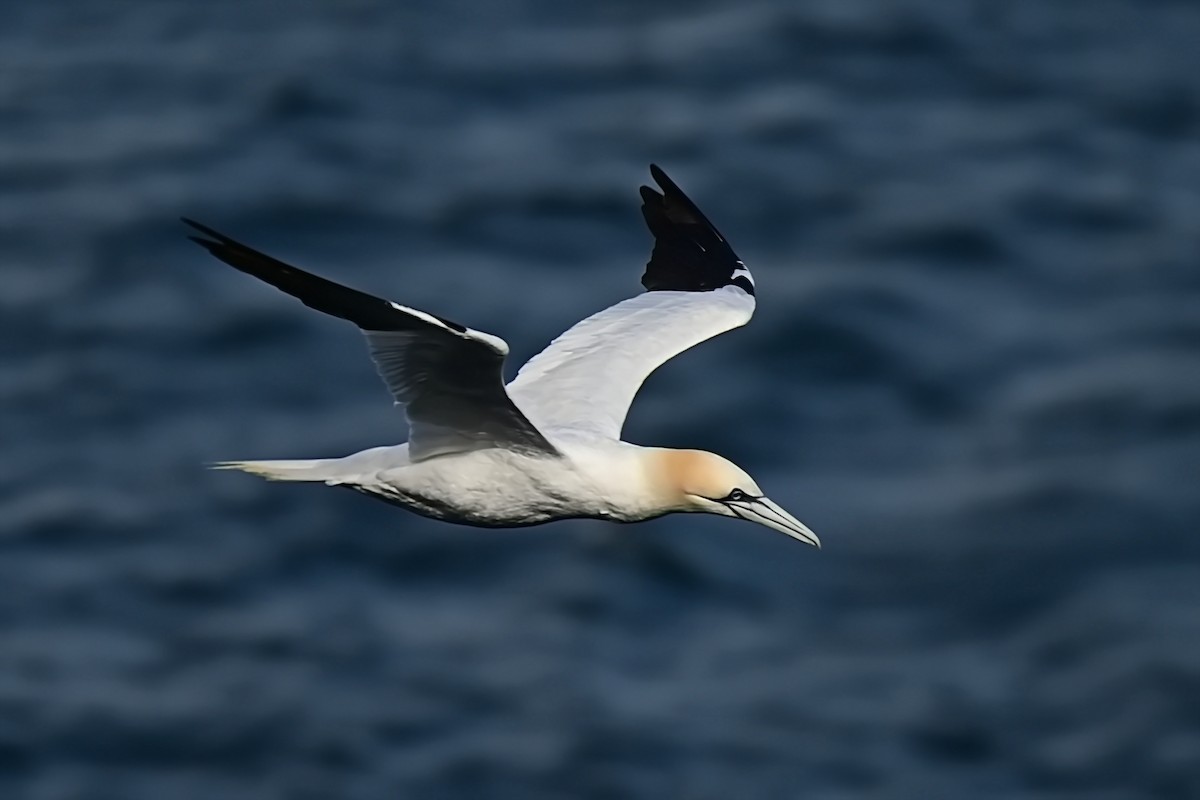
(312, 469)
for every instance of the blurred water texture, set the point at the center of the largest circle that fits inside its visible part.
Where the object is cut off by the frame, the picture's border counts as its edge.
(973, 371)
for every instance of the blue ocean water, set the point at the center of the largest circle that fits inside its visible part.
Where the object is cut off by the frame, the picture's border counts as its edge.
(975, 371)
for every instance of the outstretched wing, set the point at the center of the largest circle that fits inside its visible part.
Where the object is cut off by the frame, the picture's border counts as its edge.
(697, 287)
(448, 378)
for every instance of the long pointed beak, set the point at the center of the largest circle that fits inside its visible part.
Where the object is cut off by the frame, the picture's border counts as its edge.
(767, 512)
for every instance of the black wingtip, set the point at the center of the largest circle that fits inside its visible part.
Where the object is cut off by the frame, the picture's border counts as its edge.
(690, 254)
(367, 311)
(207, 231)
(662, 179)
(675, 196)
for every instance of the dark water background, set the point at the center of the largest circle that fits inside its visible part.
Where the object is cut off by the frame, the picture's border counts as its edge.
(975, 371)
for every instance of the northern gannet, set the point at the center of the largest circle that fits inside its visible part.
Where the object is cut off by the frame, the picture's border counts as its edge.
(548, 445)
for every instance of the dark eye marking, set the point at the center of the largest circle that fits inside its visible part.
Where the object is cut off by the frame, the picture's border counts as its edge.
(738, 496)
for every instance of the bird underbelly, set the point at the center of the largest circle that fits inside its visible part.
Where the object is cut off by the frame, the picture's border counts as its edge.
(486, 507)
(494, 488)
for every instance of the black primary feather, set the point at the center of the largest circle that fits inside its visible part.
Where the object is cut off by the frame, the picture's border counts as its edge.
(368, 312)
(690, 254)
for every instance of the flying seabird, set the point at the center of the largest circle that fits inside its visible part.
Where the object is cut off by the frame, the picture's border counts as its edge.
(548, 445)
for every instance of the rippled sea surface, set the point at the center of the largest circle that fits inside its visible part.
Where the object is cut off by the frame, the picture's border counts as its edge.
(975, 371)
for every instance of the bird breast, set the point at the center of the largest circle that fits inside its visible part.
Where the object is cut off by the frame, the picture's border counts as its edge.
(492, 488)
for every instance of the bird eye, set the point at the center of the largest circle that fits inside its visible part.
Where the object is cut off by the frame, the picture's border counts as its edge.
(737, 495)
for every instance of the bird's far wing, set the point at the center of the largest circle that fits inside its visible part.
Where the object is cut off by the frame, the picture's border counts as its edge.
(697, 287)
(447, 377)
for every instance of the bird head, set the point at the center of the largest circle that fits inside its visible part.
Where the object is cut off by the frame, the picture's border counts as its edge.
(697, 481)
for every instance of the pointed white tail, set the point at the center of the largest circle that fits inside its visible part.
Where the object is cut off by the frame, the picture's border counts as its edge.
(300, 470)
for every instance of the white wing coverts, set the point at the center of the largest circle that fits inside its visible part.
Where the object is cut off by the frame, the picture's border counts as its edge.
(587, 378)
(697, 288)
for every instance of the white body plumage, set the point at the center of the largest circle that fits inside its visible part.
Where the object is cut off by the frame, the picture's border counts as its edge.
(547, 446)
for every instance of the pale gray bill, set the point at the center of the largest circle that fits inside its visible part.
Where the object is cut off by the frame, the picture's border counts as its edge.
(767, 512)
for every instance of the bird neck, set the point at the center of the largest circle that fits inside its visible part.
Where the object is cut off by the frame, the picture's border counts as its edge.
(673, 479)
